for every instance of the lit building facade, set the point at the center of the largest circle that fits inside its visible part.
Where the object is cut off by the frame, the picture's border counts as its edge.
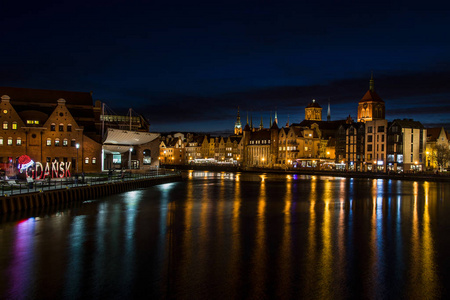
(407, 144)
(371, 106)
(46, 128)
(350, 146)
(435, 137)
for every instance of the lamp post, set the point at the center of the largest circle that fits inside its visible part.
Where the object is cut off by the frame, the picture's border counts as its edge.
(78, 146)
(129, 158)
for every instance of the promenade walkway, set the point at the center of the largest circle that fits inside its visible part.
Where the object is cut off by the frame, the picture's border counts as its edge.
(12, 187)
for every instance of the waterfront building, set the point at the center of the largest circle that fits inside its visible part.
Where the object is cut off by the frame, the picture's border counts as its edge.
(49, 127)
(406, 146)
(350, 146)
(172, 151)
(63, 126)
(194, 148)
(259, 149)
(234, 149)
(375, 146)
(219, 151)
(435, 137)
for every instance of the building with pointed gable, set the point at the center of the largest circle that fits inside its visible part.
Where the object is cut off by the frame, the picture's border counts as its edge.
(47, 126)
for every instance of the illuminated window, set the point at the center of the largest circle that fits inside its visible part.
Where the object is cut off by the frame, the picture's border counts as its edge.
(49, 142)
(69, 127)
(65, 142)
(1, 141)
(61, 127)
(94, 160)
(5, 125)
(56, 142)
(86, 160)
(53, 127)
(10, 141)
(14, 125)
(18, 141)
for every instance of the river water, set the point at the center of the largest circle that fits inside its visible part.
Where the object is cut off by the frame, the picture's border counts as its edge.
(232, 235)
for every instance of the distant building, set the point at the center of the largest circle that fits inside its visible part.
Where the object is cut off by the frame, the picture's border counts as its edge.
(350, 146)
(238, 124)
(406, 146)
(313, 111)
(371, 106)
(435, 136)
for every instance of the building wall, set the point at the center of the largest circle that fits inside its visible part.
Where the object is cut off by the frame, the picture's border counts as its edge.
(375, 148)
(414, 145)
(55, 139)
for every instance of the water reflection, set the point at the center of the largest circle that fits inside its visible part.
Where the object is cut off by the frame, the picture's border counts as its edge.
(21, 268)
(238, 235)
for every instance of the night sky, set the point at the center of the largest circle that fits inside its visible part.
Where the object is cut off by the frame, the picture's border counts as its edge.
(188, 65)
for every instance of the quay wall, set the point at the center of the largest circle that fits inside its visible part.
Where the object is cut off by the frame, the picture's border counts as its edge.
(63, 197)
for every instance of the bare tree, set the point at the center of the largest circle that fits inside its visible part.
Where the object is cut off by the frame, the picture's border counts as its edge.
(441, 155)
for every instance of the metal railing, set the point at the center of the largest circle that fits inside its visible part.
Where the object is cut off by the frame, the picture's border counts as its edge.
(16, 186)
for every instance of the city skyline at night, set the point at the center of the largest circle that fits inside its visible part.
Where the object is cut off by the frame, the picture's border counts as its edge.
(188, 66)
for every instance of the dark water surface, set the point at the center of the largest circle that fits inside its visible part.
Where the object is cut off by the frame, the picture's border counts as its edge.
(244, 236)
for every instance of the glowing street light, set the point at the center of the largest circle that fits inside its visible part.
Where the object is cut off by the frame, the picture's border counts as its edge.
(77, 146)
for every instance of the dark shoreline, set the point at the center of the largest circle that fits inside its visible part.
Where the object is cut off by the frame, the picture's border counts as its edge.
(407, 176)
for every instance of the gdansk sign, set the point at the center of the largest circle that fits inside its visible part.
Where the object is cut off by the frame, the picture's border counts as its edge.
(54, 169)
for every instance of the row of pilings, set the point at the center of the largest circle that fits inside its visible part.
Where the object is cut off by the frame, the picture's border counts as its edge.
(63, 197)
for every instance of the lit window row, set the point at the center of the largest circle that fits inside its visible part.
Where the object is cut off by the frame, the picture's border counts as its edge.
(6, 125)
(94, 160)
(9, 141)
(35, 122)
(65, 142)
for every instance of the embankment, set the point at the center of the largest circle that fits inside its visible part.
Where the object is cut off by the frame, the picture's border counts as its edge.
(63, 197)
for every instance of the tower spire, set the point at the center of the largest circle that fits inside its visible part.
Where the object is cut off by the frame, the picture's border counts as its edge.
(261, 126)
(238, 124)
(371, 83)
(287, 124)
(329, 111)
(276, 117)
(270, 124)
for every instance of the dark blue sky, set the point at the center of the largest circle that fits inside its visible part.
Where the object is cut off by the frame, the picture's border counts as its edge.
(187, 65)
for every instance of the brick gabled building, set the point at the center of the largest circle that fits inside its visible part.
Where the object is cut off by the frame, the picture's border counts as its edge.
(47, 126)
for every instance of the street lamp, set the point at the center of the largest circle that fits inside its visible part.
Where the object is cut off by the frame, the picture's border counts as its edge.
(78, 146)
(129, 158)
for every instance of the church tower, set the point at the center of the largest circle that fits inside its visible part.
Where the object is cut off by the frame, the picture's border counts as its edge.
(371, 106)
(313, 111)
(238, 125)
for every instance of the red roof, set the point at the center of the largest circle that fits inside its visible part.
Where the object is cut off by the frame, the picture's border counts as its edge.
(433, 133)
(371, 96)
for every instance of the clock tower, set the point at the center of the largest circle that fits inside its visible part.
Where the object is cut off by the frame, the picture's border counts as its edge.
(238, 124)
(371, 106)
